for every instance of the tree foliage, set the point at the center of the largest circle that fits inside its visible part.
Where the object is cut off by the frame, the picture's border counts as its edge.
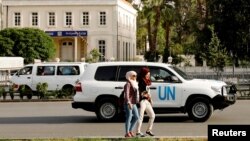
(6, 46)
(216, 56)
(231, 19)
(186, 26)
(177, 20)
(29, 43)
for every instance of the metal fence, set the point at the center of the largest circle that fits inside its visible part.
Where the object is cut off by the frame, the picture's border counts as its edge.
(4, 77)
(238, 76)
(230, 74)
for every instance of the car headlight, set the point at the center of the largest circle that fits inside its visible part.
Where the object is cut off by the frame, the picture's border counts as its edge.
(224, 90)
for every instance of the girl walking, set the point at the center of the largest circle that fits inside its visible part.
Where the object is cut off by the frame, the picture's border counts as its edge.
(131, 98)
(145, 102)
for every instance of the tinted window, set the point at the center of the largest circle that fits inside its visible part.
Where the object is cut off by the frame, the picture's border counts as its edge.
(45, 70)
(106, 73)
(124, 69)
(68, 70)
(158, 74)
(25, 71)
(181, 73)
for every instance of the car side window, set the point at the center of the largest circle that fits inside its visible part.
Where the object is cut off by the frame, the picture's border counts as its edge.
(124, 69)
(68, 70)
(25, 71)
(45, 70)
(158, 74)
(106, 73)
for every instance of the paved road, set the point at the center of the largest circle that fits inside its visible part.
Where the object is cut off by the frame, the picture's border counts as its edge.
(25, 120)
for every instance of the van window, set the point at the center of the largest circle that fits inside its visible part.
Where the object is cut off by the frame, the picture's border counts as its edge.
(68, 70)
(45, 70)
(25, 71)
(106, 73)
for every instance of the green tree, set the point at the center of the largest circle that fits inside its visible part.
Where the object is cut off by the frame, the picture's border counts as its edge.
(151, 17)
(6, 45)
(168, 13)
(94, 55)
(30, 43)
(231, 19)
(217, 55)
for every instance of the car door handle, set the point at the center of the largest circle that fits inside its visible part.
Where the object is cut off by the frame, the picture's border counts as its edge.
(28, 77)
(119, 87)
(153, 88)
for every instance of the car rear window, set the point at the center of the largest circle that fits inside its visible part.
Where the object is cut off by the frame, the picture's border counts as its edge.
(106, 73)
(124, 69)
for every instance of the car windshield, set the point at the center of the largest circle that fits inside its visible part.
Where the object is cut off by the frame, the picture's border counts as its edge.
(181, 73)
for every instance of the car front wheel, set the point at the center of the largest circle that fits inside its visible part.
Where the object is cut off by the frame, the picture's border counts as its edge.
(200, 110)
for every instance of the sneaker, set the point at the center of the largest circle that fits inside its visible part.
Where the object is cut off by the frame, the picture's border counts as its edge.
(140, 135)
(150, 133)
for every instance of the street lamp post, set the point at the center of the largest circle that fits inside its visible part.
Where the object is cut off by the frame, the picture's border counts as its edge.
(170, 59)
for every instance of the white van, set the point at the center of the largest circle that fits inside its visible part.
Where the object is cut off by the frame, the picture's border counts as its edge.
(58, 75)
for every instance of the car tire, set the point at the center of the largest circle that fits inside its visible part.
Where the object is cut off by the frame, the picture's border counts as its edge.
(68, 90)
(29, 93)
(200, 109)
(107, 110)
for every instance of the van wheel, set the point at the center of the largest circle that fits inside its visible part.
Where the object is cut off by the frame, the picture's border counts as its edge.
(29, 96)
(29, 93)
(200, 110)
(68, 90)
(25, 91)
(107, 110)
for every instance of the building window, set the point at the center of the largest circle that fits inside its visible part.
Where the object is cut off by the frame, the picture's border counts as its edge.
(68, 19)
(17, 18)
(102, 18)
(52, 19)
(34, 19)
(85, 18)
(102, 46)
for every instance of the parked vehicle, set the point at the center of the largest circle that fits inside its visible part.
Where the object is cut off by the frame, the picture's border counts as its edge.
(9, 65)
(58, 76)
(172, 91)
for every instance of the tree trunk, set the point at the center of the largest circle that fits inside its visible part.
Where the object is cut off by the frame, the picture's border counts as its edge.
(167, 33)
(149, 34)
(155, 29)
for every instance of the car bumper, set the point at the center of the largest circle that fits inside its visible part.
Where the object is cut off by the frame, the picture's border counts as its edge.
(225, 100)
(88, 106)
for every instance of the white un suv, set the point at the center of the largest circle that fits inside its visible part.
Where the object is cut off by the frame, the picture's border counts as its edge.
(172, 91)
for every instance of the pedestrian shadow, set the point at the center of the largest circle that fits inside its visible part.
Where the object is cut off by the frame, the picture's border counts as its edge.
(48, 120)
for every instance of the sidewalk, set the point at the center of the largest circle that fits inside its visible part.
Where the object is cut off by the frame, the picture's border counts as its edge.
(34, 99)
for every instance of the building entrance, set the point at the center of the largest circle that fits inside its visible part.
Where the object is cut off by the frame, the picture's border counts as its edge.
(67, 51)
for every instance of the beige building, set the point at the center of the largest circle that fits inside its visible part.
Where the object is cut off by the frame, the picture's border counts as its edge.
(1, 11)
(78, 26)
